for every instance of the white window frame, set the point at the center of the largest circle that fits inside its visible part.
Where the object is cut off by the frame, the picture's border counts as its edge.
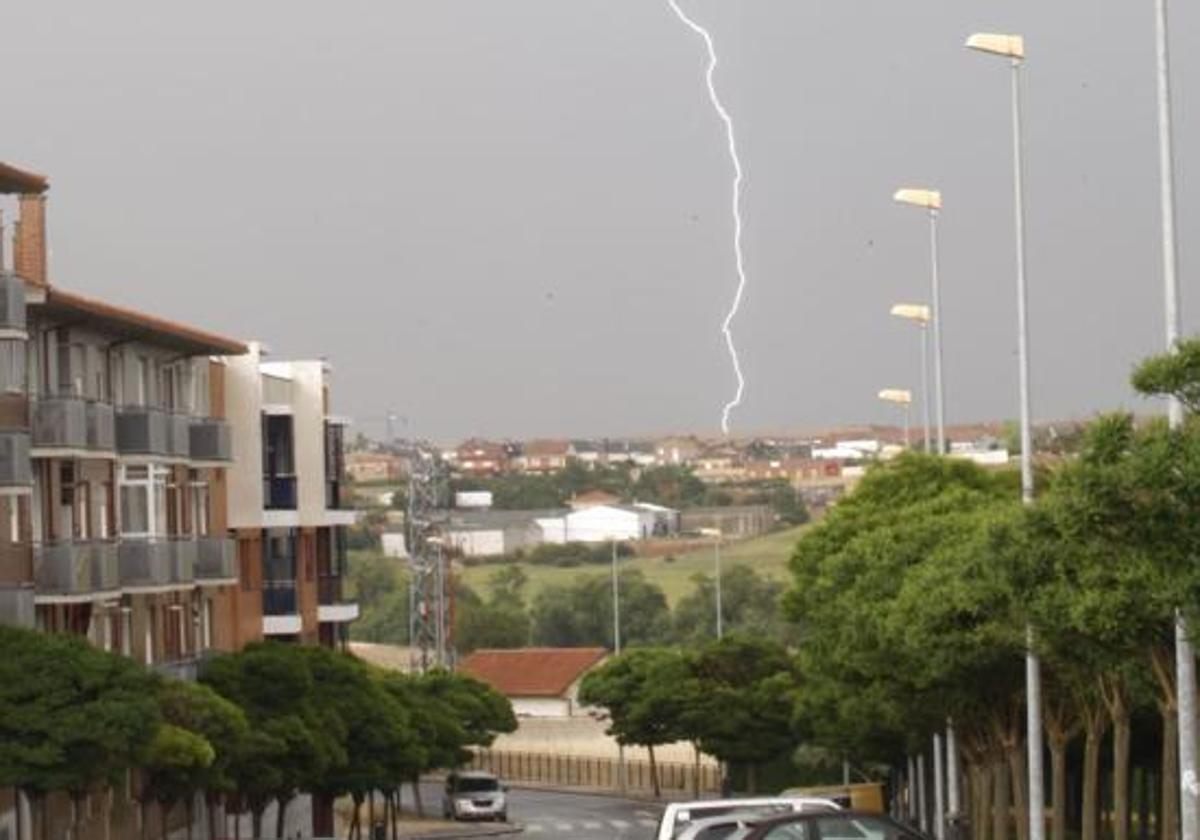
(154, 483)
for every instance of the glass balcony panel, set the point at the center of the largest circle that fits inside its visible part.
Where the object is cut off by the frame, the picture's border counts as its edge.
(12, 302)
(179, 438)
(75, 568)
(145, 562)
(15, 467)
(17, 606)
(210, 440)
(101, 427)
(142, 430)
(279, 492)
(184, 551)
(60, 422)
(216, 559)
(279, 597)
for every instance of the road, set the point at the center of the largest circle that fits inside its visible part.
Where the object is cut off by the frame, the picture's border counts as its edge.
(550, 815)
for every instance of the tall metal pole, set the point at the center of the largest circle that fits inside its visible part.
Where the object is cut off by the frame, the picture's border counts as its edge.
(1033, 679)
(907, 425)
(925, 383)
(1185, 657)
(937, 333)
(717, 561)
(953, 800)
(939, 787)
(912, 790)
(922, 805)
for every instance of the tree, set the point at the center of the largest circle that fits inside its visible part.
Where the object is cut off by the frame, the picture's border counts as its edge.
(299, 739)
(749, 605)
(581, 613)
(672, 486)
(740, 706)
(194, 749)
(71, 717)
(644, 693)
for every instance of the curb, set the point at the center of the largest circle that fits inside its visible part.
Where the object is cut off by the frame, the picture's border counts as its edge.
(457, 833)
(607, 793)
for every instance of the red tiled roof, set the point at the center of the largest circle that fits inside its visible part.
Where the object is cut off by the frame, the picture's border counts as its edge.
(14, 180)
(532, 672)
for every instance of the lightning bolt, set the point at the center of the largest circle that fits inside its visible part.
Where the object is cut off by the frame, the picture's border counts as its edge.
(726, 326)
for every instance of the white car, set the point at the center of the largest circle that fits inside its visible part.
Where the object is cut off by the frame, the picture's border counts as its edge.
(680, 815)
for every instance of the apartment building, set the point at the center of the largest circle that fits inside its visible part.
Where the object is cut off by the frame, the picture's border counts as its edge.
(287, 505)
(113, 451)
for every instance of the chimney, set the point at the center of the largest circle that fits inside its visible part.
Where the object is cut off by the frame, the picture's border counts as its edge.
(29, 244)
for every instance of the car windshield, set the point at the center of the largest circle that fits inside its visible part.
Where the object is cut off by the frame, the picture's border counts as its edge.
(702, 812)
(717, 832)
(476, 785)
(840, 828)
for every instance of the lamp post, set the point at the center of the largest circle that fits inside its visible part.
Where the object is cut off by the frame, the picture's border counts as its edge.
(902, 398)
(919, 313)
(1185, 657)
(715, 533)
(1012, 47)
(931, 201)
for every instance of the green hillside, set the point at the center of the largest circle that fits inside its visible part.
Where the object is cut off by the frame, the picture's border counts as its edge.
(768, 554)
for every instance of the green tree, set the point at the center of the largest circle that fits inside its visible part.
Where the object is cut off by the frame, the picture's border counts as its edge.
(71, 717)
(581, 613)
(671, 486)
(643, 691)
(750, 605)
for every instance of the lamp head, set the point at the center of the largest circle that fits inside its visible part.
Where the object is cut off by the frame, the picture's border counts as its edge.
(1009, 46)
(928, 199)
(913, 312)
(896, 395)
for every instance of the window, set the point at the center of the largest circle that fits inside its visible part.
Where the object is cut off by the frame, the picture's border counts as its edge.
(102, 510)
(279, 562)
(143, 500)
(141, 380)
(200, 506)
(198, 386)
(12, 366)
(71, 368)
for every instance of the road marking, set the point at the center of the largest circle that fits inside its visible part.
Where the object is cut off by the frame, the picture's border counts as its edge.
(592, 824)
(533, 828)
(618, 823)
(648, 823)
(644, 813)
(564, 826)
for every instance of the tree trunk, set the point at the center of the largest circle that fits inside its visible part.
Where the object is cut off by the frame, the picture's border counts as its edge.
(356, 799)
(280, 814)
(371, 814)
(654, 772)
(1116, 699)
(143, 814)
(164, 812)
(210, 803)
(983, 799)
(1000, 801)
(45, 809)
(751, 778)
(76, 815)
(1058, 789)
(189, 809)
(1168, 816)
(416, 786)
(256, 821)
(1089, 830)
(696, 773)
(1144, 788)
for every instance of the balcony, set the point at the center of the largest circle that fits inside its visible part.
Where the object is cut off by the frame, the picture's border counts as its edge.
(141, 430)
(184, 554)
(60, 423)
(331, 605)
(279, 597)
(179, 437)
(146, 563)
(12, 302)
(17, 606)
(101, 427)
(216, 560)
(210, 440)
(15, 468)
(279, 492)
(75, 569)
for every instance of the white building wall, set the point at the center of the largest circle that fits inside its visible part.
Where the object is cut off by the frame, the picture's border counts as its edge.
(552, 530)
(478, 543)
(243, 409)
(603, 523)
(542, 707)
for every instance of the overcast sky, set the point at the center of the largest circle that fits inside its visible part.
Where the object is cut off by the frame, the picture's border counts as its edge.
(510, 217)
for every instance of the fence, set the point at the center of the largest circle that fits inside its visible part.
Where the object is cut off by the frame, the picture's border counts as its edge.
(577, 771)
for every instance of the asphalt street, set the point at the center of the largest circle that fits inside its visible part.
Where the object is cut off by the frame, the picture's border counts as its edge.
(548, 815)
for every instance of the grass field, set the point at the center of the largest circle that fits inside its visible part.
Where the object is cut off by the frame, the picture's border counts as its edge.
(768, 554)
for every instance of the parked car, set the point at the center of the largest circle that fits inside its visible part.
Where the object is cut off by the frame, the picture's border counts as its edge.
(719, 828)
(844, 825)
(475, 795)
(679, 815)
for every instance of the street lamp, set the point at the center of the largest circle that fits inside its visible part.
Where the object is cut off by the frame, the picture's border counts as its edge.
(902, 398)
(716, 534)
(1012, 47)
(919, 313)
(931, 201)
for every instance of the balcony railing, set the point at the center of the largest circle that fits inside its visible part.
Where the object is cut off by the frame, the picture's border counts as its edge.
(184, 552)
(142, 430)
(279, 492)
(12, 302)
(279, 597)
(216, 559)
(60, 422)
(329, 590)
(17, 606)
(76, 568)
(210, 440)
(15, 468)
(101, 427)
(145, 562)
(179, 437)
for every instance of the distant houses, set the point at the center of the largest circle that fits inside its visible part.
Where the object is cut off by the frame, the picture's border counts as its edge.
(540, 682)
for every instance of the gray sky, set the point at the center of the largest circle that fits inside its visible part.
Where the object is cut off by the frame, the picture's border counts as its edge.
(510, 217)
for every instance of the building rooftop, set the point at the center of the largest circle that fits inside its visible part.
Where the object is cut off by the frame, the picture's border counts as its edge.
(20, 181)
(532, 672)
